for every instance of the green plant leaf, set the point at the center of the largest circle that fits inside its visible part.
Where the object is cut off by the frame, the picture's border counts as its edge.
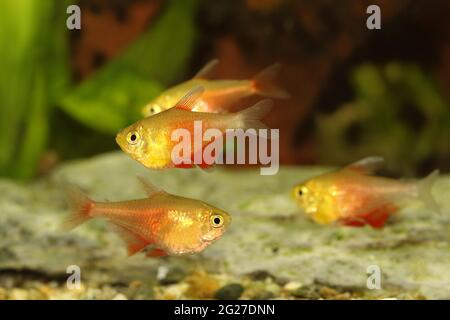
(113, 97)
(33, 64)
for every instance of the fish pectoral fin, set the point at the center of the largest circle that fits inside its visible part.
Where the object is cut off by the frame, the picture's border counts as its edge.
(134, 242)
(156, 252)
(149, 188)
(187, 102)
(206, 71)
(367, 165)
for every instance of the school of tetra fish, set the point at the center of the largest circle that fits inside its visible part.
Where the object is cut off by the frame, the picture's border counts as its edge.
(166, 224)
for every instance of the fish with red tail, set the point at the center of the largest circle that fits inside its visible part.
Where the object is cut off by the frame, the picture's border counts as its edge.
(354, 196)
(152, 142)
(219, 95)
(166, 223)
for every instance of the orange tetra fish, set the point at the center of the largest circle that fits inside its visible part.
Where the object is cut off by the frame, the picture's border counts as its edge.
(353, 196)
(152, 142)
(170, 224)
(219, 95)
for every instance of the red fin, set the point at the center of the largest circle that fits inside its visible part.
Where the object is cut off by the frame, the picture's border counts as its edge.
(205, 72)
(263, 83)
(375, 218)
(81, 207)
(193, 164)
(203, 165)
(134, 242)
(188, 101)
(155, 253)
(184, 166)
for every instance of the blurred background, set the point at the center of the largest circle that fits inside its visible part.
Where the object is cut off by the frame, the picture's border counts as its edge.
(355, 92)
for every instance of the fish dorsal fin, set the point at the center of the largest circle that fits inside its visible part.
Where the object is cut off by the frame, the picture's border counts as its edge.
(150, 189)
(205, 72)
(189, 99)
(367, 165)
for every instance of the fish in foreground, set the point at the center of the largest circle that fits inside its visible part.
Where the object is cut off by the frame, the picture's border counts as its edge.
(149, 141)
(354, 196)
(219, 95)
(169, 224)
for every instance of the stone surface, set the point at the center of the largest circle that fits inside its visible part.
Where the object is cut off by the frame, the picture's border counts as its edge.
(268, 236)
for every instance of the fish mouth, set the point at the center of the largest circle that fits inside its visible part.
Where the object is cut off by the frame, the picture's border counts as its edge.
(210, 238)
(119, 142)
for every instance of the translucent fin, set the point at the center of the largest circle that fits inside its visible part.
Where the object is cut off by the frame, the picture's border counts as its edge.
(205, 72)
(204, 168)
(149, 188)
(134, 242)
(251, 117)
(264, 84)
(424, 187)
(81, 207)
(190, 98)
(367, 165)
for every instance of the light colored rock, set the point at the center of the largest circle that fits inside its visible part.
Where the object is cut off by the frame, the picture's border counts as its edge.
(267, 233)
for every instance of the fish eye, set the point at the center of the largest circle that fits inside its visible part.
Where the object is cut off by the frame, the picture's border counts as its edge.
(216, 220)
(154, 108)
(132, 137)
(300, 191)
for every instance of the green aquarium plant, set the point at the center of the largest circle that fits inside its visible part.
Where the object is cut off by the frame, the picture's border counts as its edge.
(34, 75)
(35, 78)
(115, 95)
(398, 112)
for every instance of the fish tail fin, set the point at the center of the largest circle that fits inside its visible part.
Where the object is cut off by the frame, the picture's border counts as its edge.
(251, 117)
(263, 83)
(81, 208)
(424, 187)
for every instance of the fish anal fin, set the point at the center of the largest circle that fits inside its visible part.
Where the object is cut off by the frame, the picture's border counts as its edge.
(155, 253)
(367, 165)
(134, 242)
(207, 166)
(353, 222)
(376, 217)
(188, 101)
(184, 166)
(149, 188)
(206, 71)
